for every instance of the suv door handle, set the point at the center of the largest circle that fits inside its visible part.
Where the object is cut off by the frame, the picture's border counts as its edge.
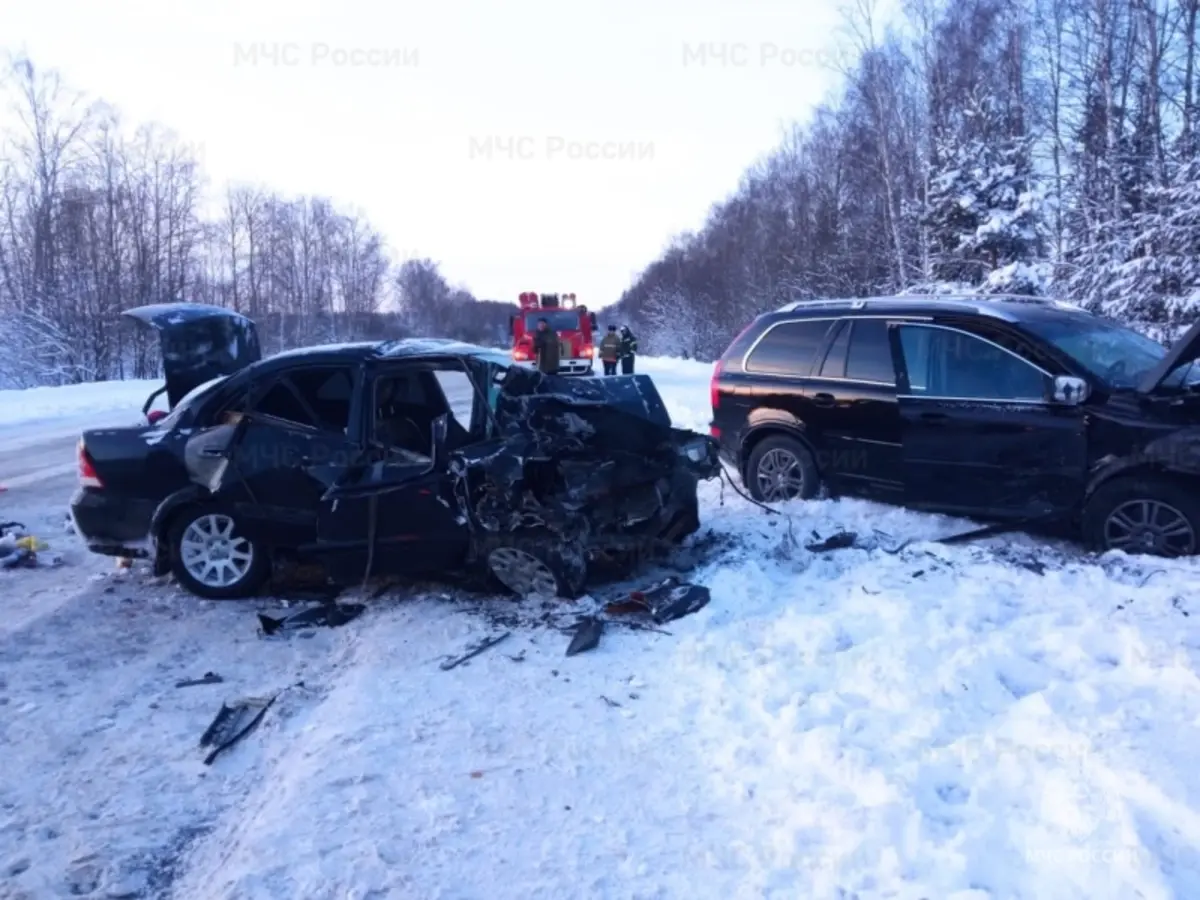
(823, 399)
(212, 453)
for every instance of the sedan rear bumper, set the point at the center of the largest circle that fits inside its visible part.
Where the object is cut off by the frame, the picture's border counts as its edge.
(111, 525)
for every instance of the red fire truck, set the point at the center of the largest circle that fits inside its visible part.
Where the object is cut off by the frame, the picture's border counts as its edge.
(573, 324)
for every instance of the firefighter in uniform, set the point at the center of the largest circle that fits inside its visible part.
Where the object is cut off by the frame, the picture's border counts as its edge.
(628, 350)
(610, 351)
(545, 348)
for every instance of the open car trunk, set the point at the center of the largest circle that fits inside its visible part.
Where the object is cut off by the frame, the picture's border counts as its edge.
(199, 343)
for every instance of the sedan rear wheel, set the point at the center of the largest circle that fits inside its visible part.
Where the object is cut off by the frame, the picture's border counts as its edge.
(212, 558)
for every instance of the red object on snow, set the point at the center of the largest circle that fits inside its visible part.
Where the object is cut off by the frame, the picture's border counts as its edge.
(155, 414)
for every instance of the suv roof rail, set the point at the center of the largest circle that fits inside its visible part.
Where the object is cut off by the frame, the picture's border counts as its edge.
(974, 301)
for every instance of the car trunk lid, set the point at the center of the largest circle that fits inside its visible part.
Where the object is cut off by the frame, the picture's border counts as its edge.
(199, 343)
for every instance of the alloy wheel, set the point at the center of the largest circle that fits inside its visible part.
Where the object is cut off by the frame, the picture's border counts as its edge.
(1149, 526)
(779, 476)
(213, 553)
(522, 573)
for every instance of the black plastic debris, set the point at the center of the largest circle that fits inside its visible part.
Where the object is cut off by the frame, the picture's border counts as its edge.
(473, 651)
(232, 723)
(666, 601)
(840, 541)
(206, 678)
(327, 615)
(587, 636)
(681, 600)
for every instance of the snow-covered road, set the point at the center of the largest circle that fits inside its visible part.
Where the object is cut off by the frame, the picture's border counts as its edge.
(1002, 720)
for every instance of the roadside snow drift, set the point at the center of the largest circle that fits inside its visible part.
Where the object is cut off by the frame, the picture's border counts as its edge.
(1009, 719)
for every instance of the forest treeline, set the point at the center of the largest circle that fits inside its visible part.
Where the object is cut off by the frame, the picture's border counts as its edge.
(97, 217)
(1019, 146)
(1022, 146)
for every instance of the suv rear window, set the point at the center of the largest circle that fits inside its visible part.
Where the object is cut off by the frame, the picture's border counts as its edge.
(788, 348)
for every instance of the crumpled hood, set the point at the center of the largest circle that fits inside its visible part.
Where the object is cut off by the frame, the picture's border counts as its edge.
(609, 442)
(625, 412)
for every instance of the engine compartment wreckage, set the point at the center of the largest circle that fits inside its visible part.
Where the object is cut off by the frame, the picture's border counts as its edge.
(372, 468)
(593, 463)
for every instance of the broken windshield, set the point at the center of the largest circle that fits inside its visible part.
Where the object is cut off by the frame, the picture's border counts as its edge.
(1117, 355)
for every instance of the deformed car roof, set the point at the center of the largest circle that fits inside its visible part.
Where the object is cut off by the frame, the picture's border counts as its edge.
(361, 351)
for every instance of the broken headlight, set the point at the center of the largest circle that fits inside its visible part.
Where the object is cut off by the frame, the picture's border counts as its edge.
(696, 451)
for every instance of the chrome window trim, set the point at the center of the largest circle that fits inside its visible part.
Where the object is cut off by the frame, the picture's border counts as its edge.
(758, 340)
(1040, 401)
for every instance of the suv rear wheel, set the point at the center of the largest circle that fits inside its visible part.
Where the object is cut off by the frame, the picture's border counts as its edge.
(781, 468)
(1143, 514)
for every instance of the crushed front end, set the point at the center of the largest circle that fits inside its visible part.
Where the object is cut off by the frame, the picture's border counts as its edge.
(596, 463)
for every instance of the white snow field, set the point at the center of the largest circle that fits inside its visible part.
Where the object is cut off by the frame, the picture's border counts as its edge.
(1006, 719)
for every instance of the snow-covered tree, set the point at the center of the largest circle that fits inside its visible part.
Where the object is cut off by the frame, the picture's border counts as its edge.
(1153, 278)
(983, 211)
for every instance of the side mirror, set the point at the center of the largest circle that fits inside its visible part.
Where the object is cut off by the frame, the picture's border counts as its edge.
(1070, 391)
(441, 426)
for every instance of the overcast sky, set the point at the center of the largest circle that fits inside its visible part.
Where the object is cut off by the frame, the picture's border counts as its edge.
(613, 126)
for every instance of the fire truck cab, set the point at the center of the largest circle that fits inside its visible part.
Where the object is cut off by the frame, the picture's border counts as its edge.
(574, 326)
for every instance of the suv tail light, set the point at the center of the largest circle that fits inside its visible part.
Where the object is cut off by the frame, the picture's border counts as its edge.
(87, 469)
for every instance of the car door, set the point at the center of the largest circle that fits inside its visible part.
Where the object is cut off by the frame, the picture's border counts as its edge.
(398, 514)
(272, 461)
(856, 390)
(980, 433)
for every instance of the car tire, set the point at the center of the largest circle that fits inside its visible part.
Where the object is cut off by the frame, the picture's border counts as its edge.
(1161, 516)
(247, 567)
(537, 564)
(771, 456)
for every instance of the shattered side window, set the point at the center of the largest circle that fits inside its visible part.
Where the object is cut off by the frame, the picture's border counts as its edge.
(460, 395)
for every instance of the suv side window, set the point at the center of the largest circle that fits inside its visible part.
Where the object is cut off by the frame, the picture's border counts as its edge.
(835, 360)
(788, 348)
(942, 362)
(870, 355)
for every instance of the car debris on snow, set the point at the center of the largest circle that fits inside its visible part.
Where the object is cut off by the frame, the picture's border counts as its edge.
(472, 652)
(666, 601)
(325, 615)
(20, 549)
(206, 678)
(232, 723)
(586, 636)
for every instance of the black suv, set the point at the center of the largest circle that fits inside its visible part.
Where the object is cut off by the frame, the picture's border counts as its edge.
(1005, 409)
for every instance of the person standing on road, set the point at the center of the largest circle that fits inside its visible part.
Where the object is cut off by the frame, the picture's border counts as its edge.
(545, 348)
(628, 350)
(610, 351)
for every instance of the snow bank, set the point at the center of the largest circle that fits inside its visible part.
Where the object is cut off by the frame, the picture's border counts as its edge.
(75, 401)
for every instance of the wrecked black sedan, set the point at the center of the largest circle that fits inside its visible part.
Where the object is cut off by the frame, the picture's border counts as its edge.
(413, 457)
